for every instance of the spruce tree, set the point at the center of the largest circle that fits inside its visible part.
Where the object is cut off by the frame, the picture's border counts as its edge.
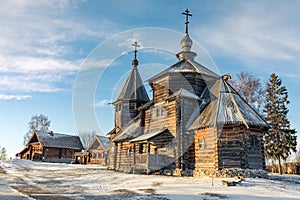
(280, 140)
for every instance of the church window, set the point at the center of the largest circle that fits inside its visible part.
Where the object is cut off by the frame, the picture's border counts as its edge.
(132, 106)
(253, 139)
(118, 107)
(202, 143)
(159, 112)
(128, 153)
(125, 107)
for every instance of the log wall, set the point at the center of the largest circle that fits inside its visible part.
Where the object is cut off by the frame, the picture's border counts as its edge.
(206, 148)
(160, 90)
(190, 81)
(98, 156)
(240, 147)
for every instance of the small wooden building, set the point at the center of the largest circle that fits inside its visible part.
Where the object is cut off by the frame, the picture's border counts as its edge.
(51, 147)
(228, 132)
(98, 150)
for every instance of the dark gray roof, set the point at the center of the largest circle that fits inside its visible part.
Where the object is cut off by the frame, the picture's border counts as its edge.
(134, 88)
(104, 141)
(58, 140)
(185, 65)
(184, 93)
(149, 136)
(223, 105)
(133, 130)
(146, 105)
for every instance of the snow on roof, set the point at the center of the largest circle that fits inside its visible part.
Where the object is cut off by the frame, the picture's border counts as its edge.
(149, 135)
(184, 93)
(133, 130)
(104, 140)
(185, 65)
(225, 106)
(134, 88)
(58, 140)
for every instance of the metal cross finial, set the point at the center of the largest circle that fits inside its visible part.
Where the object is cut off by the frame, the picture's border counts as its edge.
(187, 14)
(135, 44)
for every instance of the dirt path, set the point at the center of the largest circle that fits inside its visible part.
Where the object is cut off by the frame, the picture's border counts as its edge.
(6, 192)
(48, 184)
(45, 181)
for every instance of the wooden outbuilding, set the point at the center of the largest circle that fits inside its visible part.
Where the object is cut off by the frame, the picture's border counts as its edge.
(51, 147)
(98, 150)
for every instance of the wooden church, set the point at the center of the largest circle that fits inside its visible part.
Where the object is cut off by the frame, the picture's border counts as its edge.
(196, 122)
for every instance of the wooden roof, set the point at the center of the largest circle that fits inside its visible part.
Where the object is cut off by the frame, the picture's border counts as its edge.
(149, 136)
(134, 88)
(104, 141)
(185, 65)
(221, 105)
(56, 140)
(133, 130)
(184, 93)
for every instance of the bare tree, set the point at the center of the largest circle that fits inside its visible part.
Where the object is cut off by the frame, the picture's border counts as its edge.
(37, 123)
(297, 155)
(250, 88)
(86, 138)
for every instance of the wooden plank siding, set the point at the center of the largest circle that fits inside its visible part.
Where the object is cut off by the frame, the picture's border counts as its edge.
(160, 90)
(192, 82)
(206, 149)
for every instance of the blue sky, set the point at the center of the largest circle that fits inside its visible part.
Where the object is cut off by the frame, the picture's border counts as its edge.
(46, 46)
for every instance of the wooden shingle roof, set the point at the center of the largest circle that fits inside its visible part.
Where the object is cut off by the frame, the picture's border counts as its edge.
(132, 130)
(185, 65)
(223, 105)
(99, 140)
(57, 140)
(134, 88)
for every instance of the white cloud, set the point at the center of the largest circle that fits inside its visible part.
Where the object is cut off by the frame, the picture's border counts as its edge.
(97, 63)
(127, 42)
(30, 83)
(14, 97)
(26, 64)
(102, 103)
(38, 44)
(256, 33)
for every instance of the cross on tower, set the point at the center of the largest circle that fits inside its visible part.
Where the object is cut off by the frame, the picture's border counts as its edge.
(135, 44)
(187, 14)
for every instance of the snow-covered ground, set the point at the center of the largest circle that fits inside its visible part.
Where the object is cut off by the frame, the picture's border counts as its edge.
(22, 179)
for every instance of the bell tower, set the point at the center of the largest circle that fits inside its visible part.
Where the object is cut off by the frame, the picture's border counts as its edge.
(132, 96)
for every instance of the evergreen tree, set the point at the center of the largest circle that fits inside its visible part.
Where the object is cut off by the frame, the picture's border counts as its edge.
(37, 123)
(3, 154)
(280, 139)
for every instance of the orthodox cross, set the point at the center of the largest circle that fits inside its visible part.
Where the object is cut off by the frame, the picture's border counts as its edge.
(187, 14)
(135, 44)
